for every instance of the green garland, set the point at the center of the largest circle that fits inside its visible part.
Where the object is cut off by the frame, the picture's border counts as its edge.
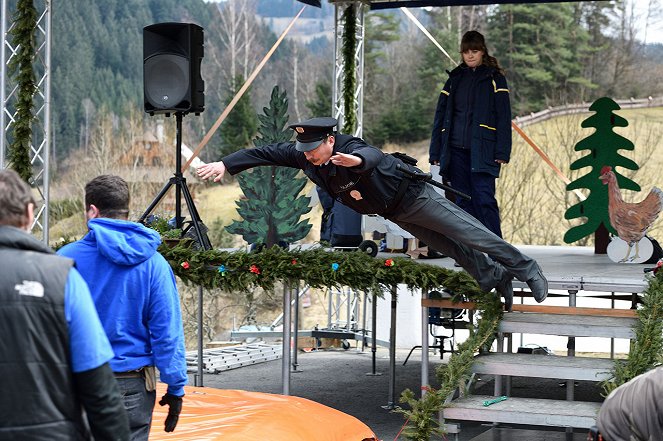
(23, 33)
(350, 71)
(422, 422)
(242, 271)
(319, 268)
(646, 349)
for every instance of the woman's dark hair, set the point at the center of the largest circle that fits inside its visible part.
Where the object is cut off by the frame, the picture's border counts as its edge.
(473, 40)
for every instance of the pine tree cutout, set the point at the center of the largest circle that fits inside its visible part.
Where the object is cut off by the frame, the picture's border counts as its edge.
(603, 146)
(272, 211)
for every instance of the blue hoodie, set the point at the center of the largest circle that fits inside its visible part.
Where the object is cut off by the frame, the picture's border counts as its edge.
(135, 294)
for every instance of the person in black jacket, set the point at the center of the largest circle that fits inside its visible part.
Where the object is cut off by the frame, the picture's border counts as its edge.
(471, 137)
(54, 353)
(370, 182)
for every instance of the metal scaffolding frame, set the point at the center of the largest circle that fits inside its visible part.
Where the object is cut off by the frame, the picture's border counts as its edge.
(41, 128)
(338, 107)
(41, 140)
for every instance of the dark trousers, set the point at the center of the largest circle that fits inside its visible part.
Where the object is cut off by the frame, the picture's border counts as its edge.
(139, 404)
(481, 186)
(452, 231)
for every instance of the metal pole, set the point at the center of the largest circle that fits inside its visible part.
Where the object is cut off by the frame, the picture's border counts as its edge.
(178, 169)
(295, 331)
(329, 307)
(424, 346)
(363, 322)
(392, 352)
(47, 125)
(571, 352)
(374, 336)
(287, 323)
(198, 379)
(349, 293)
(3, 72)
(612, 340)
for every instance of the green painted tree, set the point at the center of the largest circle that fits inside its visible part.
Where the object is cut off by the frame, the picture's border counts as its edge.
(603, 146)
(272, 212)
(23, 33)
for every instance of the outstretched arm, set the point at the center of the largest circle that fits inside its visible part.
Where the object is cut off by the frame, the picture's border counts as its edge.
(345, 160)
(214, 170)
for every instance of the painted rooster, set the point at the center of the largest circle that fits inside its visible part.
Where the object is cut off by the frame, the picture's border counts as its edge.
(631, 220)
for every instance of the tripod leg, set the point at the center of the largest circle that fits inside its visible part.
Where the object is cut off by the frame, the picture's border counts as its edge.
(195, 217)
(156, 200)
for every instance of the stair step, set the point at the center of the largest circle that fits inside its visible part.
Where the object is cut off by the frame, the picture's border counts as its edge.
(526, 411)
(507, 433)
(544, 366)
(568, 325)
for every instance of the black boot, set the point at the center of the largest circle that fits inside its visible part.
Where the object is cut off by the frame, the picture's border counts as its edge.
(504, 289)
(539, 286)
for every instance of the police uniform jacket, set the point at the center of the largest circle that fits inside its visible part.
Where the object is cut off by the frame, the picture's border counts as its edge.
(370, 188)
(490, 125)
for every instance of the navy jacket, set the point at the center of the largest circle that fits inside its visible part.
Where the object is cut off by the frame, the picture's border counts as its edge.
(370, 188)
(490, 125)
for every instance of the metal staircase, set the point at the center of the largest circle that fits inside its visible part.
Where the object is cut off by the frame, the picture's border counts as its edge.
(504, 364)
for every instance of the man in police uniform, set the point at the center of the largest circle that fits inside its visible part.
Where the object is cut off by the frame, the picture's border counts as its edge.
(367, 180)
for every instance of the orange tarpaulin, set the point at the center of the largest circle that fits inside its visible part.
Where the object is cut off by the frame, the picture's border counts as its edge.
(221, 414)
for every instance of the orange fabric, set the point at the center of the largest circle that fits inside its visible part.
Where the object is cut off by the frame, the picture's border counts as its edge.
(220, 414)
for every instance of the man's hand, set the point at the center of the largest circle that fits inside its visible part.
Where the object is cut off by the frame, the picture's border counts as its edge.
(212, 170)
(174, 408)
(345, 160)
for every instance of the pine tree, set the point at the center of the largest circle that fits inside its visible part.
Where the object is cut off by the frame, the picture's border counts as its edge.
(241, 124)
(603, 146)
(272, 211)
(540, 46)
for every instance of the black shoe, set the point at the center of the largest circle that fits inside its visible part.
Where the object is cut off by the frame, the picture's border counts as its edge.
(539, 287)
(505, 289)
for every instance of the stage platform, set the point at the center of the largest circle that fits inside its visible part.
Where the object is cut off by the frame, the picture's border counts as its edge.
(574, 268)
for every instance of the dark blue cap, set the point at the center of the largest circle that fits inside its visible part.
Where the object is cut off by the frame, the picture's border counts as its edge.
(311, 132)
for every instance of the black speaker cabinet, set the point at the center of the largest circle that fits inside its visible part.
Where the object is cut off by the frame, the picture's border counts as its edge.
(172, 54)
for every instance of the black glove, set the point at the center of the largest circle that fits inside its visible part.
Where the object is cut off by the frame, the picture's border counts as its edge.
(174, 408)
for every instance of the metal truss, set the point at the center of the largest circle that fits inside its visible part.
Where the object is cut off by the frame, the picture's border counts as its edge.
(338, 107)
(41, 129)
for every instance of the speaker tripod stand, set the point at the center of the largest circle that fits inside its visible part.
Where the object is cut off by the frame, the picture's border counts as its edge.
(181, 189)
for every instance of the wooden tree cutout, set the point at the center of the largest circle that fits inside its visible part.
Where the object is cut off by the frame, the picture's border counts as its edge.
(603, 146)
(272, 211)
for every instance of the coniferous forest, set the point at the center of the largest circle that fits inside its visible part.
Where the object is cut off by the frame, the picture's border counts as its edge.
(552, 53)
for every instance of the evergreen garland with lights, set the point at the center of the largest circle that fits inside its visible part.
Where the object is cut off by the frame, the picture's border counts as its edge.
(319, 268)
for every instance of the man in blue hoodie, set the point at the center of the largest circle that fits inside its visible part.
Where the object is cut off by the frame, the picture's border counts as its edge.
(135, 294)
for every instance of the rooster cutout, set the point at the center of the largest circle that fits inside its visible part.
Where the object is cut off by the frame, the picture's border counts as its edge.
(631, 220)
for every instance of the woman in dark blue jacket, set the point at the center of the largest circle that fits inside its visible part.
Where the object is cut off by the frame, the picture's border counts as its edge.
(472, 130)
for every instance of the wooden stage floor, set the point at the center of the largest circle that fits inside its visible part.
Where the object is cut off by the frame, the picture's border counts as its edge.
(577, 268)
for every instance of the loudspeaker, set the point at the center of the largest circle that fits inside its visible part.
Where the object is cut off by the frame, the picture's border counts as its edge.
(172, 54)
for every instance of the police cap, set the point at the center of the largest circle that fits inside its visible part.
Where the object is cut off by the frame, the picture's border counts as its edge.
(311, 132)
